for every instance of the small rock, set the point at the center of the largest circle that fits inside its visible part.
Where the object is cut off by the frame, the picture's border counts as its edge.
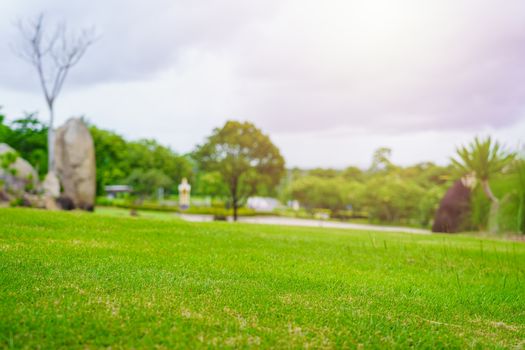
(51, 185)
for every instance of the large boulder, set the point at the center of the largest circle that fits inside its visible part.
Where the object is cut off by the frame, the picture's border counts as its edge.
(454, 208)
(16, 174)
(75, 163)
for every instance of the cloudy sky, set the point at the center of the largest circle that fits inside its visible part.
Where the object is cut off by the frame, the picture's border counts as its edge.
(330, 81)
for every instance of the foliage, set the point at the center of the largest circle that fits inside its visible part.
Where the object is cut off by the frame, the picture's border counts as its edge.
(508, 187)
(155, 206)
(381, 159)
(210, 184)
(146, 182)
(324, 173)
(484, 158)
(520, 193)
(392, 199)
(247, 160)
(28, 136)
(78, 280)
(6, 160)
(316, 192)
(111, 158)
(118, 158)
(353, 173)
(386, 193)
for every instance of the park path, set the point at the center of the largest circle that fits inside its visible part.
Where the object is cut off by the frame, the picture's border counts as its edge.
(278, 220)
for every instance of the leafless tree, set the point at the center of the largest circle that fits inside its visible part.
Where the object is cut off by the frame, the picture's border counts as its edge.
(52, 55)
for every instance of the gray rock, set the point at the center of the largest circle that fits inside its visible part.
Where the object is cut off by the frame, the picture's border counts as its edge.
(51, 191)
(75, 163)
(16, 174)
(51, 185)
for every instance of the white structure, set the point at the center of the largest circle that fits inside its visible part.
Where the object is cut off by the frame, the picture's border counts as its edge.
(262, 203)
(184, 194)
(113, 190)
(294, 204)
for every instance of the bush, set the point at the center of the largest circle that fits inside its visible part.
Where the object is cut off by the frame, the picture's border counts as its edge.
(153, 206)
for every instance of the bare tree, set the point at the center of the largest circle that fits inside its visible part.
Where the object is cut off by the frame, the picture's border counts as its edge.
(52, 55)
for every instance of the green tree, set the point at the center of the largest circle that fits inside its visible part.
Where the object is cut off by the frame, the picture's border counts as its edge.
(390, 198)
(111, 154)
(484, 158)
(28, 136)
(246, 158)
(520, 216)
(146, 182)
(116, 159)
(353, 173)
(210, 184)
(324, 173)
(316, 192)
(149, 154)
(381, 159)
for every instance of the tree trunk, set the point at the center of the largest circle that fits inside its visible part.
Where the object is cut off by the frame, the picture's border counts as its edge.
(51, 141)
(234, 210)
(494, 207)
(521, 216)
(233, 190)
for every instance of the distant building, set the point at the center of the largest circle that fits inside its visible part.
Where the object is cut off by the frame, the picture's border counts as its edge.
(262, 203)
(112, 191)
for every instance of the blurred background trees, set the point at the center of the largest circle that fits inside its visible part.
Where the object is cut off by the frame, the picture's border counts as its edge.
(120, 161)
(484, 159)
(239, 157)
(28, 136)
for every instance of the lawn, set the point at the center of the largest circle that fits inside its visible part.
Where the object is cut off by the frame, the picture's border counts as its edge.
(120, 212)
(80, 280)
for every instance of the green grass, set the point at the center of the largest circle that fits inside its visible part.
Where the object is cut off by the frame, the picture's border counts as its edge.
(77, 280)
(121, 212)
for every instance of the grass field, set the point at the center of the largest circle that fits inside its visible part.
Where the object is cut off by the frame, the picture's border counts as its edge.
(79, 280)
(120, 212)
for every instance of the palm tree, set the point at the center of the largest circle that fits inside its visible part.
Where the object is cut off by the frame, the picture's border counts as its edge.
(484, 158)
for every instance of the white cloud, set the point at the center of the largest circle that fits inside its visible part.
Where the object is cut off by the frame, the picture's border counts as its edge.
(318, 76)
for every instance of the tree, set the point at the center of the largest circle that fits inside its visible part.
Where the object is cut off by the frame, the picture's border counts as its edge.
(246, 158)
(381, 159)
(520, 170)
(145, 183)
(324, 173)
(210, 184)
(353, 173)
(390, 198)
(316, 192)
(484, 158)
(117, 158)
(111, 155)
(28, 136)
(52, 56)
